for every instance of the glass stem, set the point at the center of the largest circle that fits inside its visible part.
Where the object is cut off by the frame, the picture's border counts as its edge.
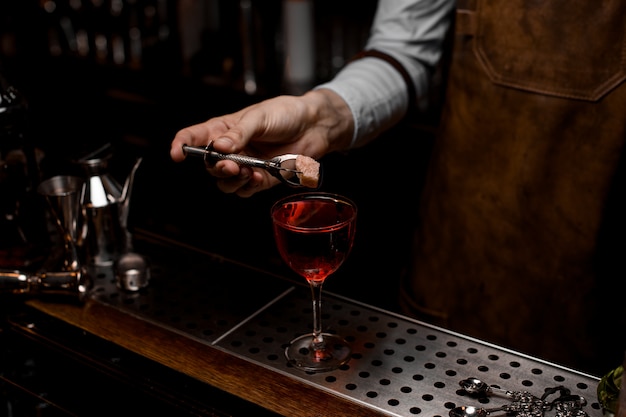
(316, 292)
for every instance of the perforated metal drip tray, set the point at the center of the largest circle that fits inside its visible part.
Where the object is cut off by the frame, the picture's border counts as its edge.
(399, 367)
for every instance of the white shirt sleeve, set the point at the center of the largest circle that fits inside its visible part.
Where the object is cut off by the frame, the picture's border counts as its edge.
(410, 31)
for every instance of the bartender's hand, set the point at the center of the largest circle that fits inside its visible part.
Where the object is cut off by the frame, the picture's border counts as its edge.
(313, 124)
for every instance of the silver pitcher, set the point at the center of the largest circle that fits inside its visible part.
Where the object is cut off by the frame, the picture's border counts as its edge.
(105, 205)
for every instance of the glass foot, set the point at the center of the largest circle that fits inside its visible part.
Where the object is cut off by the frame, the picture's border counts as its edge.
(300, 353)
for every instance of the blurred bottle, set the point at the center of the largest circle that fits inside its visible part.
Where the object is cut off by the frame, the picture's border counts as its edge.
(621, 405)
(610, 395)
(299, 34)
(23, 228)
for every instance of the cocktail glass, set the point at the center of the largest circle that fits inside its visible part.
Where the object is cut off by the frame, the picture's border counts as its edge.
(314, 233)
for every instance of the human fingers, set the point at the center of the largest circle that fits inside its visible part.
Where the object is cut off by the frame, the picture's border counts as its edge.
(247, 183)
(242, 184)
(196, 135)
(224, 169)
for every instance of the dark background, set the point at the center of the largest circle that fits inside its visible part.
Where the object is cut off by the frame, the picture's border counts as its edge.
(78, 101)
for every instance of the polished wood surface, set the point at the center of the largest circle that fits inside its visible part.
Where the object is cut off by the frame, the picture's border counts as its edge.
(276, 392)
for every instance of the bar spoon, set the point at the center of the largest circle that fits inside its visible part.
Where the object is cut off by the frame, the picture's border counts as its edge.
(476, 386)
(469, 411)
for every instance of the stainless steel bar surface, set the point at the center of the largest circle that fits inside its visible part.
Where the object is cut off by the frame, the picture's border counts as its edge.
(399, 366)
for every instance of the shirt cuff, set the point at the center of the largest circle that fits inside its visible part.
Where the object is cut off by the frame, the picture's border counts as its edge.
(375, 93)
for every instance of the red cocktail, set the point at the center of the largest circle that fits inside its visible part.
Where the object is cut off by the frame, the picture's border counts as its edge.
(314, 233)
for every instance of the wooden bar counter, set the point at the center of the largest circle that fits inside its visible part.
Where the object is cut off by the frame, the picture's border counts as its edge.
(207, 336)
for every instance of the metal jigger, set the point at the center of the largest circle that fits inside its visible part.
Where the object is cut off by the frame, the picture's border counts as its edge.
(64, 196)
(69, 277)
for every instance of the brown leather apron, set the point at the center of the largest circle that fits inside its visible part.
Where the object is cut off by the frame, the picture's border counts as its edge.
(520, 190)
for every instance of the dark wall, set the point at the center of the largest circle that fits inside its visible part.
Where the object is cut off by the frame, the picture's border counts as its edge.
(78, 103)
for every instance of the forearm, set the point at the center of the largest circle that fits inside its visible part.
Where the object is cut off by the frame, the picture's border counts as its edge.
(375, 95)
(377, 91)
